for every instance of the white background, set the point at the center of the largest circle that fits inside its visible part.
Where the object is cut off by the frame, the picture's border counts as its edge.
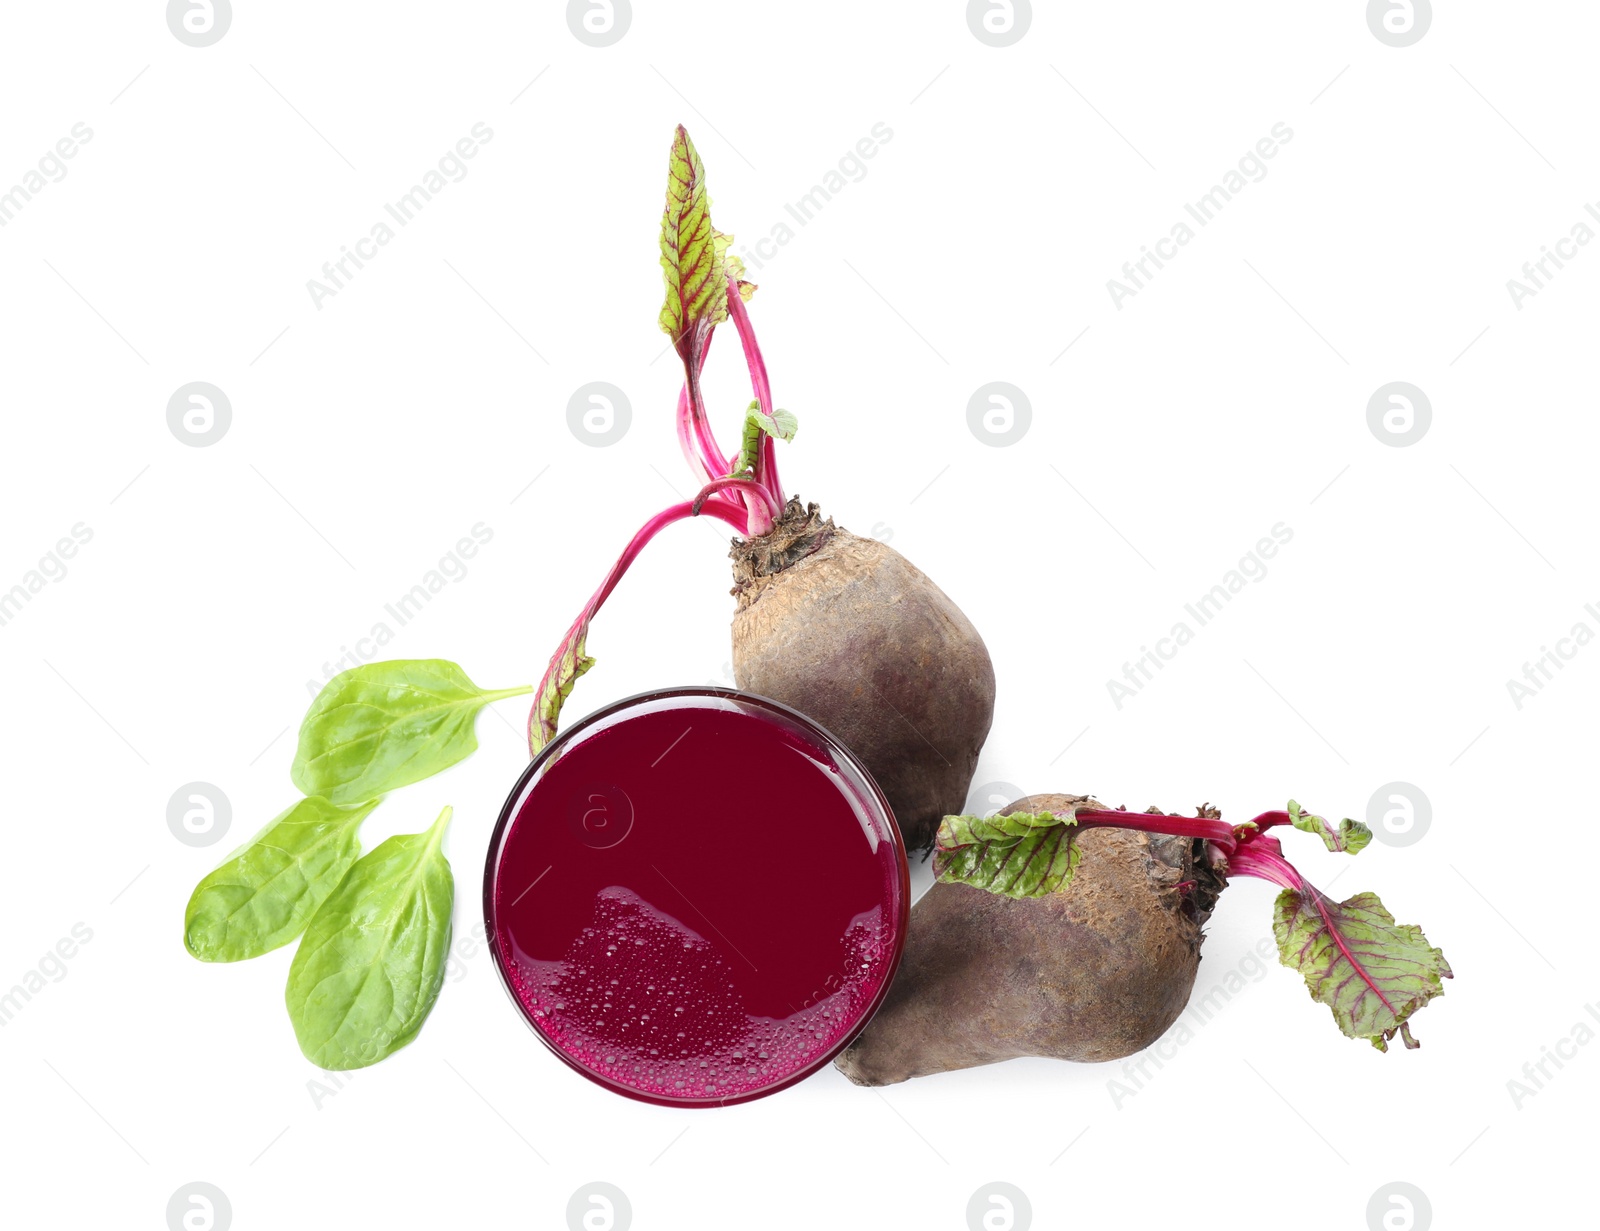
(1227, 396)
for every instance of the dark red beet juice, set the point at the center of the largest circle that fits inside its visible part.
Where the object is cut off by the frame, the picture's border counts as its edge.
(696, 897)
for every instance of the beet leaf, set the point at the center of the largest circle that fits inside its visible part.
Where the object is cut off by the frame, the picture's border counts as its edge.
(780, 425)
(1372, 972)
(1022, 855)
(693, 253)
(569, 663)
(1349, 837)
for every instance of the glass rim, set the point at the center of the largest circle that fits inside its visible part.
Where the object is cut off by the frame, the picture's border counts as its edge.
(841, 751)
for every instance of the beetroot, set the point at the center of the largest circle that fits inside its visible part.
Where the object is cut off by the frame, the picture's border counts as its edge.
(1097, 971)
(850, 632)
(1060, 928)
(840, 627)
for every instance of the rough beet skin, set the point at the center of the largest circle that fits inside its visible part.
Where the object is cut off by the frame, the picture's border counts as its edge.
(849, 632)
(1096, 971)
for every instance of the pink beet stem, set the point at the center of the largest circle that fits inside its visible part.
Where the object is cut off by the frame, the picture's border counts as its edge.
(715, 505)
(767, 463)
(1160, 822)
(748, 487)
(694, 428)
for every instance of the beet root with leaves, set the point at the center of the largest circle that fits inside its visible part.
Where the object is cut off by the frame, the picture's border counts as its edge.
(840, 627)
(1064, 929)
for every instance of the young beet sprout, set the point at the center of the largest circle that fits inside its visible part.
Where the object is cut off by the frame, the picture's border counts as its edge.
(836, 625)
(704, 288)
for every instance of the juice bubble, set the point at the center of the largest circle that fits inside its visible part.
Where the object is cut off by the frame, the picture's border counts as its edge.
(620, 1034)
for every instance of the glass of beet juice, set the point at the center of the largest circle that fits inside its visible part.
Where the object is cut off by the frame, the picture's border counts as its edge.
(696, 897)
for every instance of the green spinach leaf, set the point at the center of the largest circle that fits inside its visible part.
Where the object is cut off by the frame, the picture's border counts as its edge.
(263, 895)
(383, 725)
(370, 966)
